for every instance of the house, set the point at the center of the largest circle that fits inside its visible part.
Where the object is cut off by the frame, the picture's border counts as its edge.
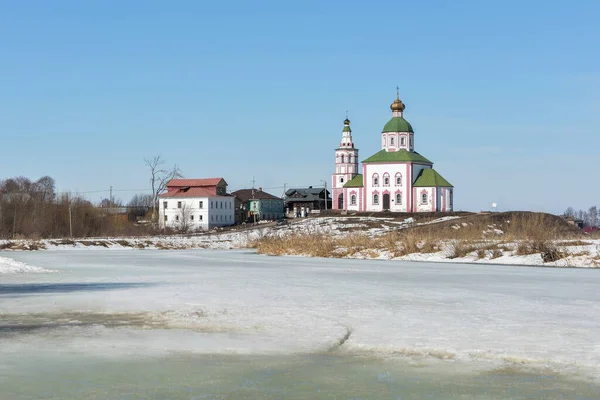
(396, 178)
(301, 201)
(256, 205)
(196, 204)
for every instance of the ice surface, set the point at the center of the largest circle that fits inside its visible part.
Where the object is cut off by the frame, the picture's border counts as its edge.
(122, 303)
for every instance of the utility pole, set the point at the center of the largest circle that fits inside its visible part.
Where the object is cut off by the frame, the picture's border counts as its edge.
(110, 204)
(325, 186)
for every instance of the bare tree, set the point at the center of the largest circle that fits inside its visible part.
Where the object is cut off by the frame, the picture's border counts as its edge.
(159, 177)
(185, 217)
(569, 212)
(143, 200)
(593, 216)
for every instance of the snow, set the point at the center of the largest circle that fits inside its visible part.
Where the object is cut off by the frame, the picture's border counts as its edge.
(206, 301)
(581, 256)
(10, 266)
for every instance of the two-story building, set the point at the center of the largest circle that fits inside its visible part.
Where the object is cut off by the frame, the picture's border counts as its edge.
(196, 204)
(257, 205)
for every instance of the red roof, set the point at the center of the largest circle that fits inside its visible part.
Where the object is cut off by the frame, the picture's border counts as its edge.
(192, 187)
(194, 182)
(191, 192)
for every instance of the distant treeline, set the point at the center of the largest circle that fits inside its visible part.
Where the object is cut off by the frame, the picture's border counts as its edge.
(591, 217)
(33, 209)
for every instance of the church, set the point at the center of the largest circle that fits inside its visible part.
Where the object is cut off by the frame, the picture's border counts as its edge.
(397, 178)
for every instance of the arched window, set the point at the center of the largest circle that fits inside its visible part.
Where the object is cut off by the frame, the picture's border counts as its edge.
(341, 180)
(375, 199)
(403, 141)
(353, 199)
(391, 141)
(386, 179)
(398, 179)
(375, 180)
(398, 198)
(424, 198)
(342, 158)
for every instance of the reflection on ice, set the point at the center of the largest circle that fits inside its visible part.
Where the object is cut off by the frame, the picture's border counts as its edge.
(38, 288)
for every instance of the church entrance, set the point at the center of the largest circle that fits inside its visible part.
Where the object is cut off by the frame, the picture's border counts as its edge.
(386, 201)
(341, 201)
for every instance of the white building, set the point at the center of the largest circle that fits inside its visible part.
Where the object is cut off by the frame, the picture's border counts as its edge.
(397, 178)
(196, 204)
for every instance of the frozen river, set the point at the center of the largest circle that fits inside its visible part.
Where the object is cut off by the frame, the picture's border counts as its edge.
(200, 324)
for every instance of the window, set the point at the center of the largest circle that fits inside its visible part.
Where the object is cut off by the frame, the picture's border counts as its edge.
(398, 179)
(341, 180)
(191, 217)
(212, 217)
(403, 141)
(200, 218)
(201, 204)
(211, 204)
(386, 181)
(411, 141)
(424, 198)
(375, 180)
(391, 141)
(221, 204)
(177, 218)
(178, 204)
(353, 200)
(375, 199)
(165, 217)
(398, 198)
(342, 158)
(165, 205)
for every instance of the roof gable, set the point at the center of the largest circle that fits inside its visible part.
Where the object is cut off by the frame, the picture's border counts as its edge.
(196, 182)
(357, 181)
(430, 178)
(249, 194)
(402, 155)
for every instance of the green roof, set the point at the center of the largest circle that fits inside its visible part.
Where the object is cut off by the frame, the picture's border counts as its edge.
(430, 178)
(357, 181)
(347, 129)
(397, 124)
(397, 156)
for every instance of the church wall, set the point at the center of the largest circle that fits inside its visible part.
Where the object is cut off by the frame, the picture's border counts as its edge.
(348, 193)
(392, 189)
(430, 205)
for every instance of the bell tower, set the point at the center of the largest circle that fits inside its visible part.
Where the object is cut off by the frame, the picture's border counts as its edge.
(346, 166)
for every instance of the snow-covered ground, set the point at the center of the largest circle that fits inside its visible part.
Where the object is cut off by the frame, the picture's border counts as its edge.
(583, 254)
(11, 266)
(124, 305)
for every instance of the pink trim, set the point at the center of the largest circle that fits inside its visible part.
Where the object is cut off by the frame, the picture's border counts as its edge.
(386, 192)
(444, 195)
(414, 203)
(363, 202)
(409, 196)
(424, 191)
(433, 199)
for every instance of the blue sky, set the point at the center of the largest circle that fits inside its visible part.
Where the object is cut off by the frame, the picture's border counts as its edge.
(503, 96)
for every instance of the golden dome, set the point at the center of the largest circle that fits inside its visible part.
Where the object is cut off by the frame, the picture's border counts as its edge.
(397, 105)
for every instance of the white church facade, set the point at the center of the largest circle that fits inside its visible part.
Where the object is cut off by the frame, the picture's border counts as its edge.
(397, 178)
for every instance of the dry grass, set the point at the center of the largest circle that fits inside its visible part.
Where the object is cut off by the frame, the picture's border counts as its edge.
(485, 236)
(314, 245)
